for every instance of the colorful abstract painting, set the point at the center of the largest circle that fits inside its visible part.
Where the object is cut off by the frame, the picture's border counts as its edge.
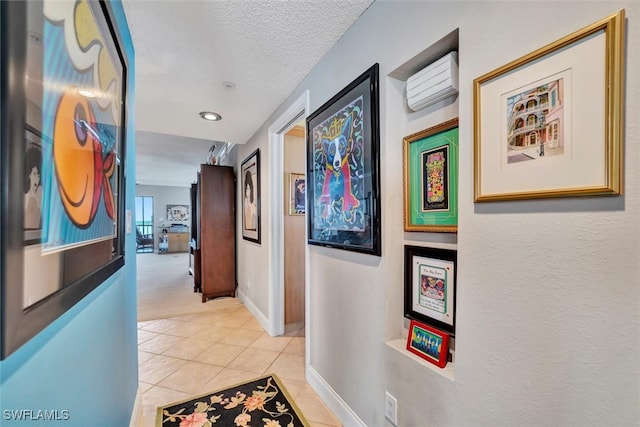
(338, 165)
(81, 120)
(427, 343)
(430, 344)
(343, 168)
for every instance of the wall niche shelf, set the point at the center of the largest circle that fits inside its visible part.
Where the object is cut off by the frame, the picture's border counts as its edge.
(415, 121)
(400, 345)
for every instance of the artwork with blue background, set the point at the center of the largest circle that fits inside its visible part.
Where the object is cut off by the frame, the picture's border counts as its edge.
(426, 342)
(338, 163)
(81, 121)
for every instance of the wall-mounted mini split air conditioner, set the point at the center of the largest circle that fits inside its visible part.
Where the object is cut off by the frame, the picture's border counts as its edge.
(435, 82)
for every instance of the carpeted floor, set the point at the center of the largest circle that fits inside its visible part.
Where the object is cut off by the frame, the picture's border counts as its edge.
(263, 401)
(165, 288)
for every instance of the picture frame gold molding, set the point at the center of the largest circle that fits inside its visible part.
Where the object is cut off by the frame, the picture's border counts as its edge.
(613, 27)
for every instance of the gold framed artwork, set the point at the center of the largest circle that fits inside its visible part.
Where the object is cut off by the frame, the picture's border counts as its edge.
(297, 194)
(550, 124)
(431, 179)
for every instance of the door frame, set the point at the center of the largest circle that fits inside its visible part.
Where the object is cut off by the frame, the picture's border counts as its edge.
(299, 109)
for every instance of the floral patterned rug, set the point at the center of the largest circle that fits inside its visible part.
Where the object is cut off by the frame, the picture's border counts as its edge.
(262, 402)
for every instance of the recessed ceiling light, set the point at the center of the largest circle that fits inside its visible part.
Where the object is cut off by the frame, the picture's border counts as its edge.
(211, 116)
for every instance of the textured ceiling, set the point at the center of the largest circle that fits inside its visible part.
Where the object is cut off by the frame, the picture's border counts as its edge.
(185, 50)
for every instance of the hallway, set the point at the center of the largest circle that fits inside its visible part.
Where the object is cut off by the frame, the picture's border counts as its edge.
(187, 348)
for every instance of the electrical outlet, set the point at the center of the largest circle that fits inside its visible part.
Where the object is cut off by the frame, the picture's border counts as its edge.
(248, 283)
(390, 408)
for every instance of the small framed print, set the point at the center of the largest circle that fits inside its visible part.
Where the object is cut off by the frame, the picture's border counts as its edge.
(430, 286)
(428, 343)
(297, 194)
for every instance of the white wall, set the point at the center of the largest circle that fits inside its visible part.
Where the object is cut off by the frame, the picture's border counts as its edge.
(163, 196)
(548, 325)
(253, 258)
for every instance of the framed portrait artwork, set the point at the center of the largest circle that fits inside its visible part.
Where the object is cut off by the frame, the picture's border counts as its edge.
(297, 194)
(343, 164)
(431, 179)
(32, 186)
(550, 124)
(428, 343)
(178, 212)
(430, 286)
(63, 166)
(250, 179)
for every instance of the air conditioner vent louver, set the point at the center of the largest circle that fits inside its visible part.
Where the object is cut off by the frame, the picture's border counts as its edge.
(435, 82)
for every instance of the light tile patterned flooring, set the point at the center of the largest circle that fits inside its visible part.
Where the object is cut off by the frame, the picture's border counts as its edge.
(186, 356)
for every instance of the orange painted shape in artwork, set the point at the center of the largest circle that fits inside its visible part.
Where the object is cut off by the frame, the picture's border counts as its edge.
(109, 168)
(77, 156)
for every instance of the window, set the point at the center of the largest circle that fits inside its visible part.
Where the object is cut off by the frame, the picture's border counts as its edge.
(144, 224)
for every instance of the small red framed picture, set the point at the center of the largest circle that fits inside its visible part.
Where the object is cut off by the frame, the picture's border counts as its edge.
(428, 343)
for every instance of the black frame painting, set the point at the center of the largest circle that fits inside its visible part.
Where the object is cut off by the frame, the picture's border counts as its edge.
(250, 179)
(78, 116)
(430, 286)
(343, 168)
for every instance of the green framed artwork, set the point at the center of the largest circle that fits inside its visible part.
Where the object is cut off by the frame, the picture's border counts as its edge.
(431, 179)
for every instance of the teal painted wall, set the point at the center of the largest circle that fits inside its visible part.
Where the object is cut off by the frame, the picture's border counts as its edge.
(86, 362)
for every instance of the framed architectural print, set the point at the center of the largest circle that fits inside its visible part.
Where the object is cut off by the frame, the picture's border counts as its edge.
(430, 286)
(431, 179)
(63, 160)
(428, 343)
(343, 161)
(550, 124)
(297, 194)
(250, 178)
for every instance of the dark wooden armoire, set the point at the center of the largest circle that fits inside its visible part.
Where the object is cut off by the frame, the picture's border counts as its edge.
(215, 247)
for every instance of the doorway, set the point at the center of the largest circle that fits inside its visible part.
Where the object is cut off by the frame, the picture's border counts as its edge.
(294, 225)
(296, 112)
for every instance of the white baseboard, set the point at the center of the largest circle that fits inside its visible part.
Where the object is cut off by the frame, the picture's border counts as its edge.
(334, 402)
(253, 309)
(136, 412)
